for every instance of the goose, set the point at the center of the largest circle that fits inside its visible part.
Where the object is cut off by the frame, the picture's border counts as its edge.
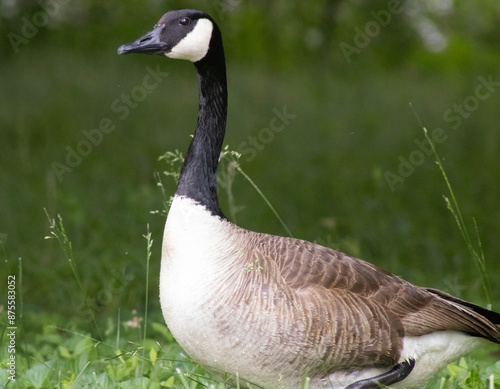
(270, 311)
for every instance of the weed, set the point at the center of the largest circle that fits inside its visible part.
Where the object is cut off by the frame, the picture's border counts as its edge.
(452, 204)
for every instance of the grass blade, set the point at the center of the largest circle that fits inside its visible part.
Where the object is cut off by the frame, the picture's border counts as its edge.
(148, 257)
(454, 208)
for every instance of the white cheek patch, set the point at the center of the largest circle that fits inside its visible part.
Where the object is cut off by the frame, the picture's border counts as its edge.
(194, 46)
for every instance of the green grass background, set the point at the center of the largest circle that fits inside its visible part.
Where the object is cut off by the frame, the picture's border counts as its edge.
(324, 174)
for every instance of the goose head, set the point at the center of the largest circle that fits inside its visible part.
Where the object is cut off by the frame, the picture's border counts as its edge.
(181, 34)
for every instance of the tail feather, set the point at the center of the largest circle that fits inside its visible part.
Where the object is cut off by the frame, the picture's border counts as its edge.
(485, 315)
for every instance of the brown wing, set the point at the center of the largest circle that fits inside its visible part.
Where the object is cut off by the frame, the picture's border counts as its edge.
(348, 293)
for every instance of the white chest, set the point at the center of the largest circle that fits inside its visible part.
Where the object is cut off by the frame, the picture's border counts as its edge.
(197, 258)
(194, 245)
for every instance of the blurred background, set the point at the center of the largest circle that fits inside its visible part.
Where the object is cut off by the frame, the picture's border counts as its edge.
(353, 83)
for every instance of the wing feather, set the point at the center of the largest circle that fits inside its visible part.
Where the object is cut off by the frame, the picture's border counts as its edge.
(387, 306)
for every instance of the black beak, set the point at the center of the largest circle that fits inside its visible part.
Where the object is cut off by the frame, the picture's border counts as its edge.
(148, 44)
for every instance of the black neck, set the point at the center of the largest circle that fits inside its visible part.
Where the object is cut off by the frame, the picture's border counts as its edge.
(198, 178)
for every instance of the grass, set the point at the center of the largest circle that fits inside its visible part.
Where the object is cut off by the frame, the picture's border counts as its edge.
(476, 252)
(83, 322)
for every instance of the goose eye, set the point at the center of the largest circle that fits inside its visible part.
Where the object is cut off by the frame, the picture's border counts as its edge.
(184, 21)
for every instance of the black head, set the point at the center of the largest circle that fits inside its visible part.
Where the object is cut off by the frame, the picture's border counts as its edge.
(182, 34)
